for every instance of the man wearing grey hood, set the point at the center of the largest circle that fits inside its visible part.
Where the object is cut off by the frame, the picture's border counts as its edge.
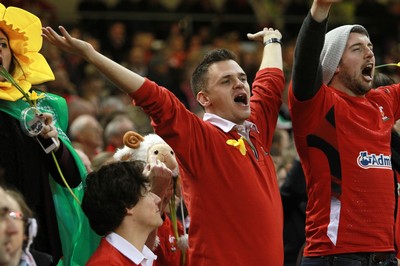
(342, 133)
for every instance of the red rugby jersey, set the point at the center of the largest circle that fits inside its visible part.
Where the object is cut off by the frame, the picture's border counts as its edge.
(344, 146)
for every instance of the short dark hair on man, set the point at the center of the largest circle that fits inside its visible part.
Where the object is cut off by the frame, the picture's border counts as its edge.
(110, 191)
(360, 29)
(199, 76)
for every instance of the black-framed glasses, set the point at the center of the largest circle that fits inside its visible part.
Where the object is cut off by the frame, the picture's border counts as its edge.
(14, 215)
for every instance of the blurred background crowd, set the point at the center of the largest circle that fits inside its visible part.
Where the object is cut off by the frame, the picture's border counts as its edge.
(164, 40)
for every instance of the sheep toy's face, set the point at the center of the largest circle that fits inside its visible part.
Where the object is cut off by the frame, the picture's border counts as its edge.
(164, 153)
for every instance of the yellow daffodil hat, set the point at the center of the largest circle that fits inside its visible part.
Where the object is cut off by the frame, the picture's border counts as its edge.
(24, 30)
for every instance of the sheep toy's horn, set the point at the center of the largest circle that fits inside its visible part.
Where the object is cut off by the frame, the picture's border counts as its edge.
(132, 139)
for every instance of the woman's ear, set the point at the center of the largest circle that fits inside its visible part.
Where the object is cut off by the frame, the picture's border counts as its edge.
(203, 99)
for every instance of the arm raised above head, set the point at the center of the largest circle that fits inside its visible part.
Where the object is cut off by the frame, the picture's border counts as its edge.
(307, 69)
(272, 56)
(126, 80)
(320, 9)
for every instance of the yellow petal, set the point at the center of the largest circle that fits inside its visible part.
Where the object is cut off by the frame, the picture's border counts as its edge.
(238, 144)
(242, 147)
(231, 142)
(24, 31)
(34, 96)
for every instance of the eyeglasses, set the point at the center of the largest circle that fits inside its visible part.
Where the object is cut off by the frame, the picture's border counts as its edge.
(14, 215)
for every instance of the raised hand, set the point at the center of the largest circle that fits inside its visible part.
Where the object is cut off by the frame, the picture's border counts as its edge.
(66, 42)
(320, 9)
(264, 34)
(161, 177)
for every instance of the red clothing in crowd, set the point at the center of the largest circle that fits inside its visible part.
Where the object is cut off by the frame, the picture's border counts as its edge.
(168, 253)
(106, 254)
(343, 142)
(344, 146)
(233, 199)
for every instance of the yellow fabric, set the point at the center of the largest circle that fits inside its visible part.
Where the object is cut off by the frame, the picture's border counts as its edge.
(238, 144)
(24, 30)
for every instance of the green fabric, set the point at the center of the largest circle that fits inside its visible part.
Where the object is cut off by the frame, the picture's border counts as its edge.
(79, 241)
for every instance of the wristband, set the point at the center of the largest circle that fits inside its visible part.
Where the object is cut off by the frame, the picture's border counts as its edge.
(272, 40)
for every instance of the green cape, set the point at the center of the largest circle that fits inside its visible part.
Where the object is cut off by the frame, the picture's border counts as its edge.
(78, 240)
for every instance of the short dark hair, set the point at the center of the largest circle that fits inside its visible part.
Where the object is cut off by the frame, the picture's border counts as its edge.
(110, 191)
(360, 29)
(199, 76)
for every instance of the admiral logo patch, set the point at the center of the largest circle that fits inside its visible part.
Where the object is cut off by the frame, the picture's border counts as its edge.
(365, 160)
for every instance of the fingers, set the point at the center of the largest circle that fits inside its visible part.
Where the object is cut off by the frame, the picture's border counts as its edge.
(65, 33)
(49, 34)
(47, 118)
(53, 37)
(49, 131)
(53, 133)
(263, 34)
(66, 42)
(155, 168)
(146, 170)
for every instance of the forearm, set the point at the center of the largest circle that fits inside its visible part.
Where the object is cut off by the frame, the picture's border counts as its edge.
(307, 70)
(68, 167)
(272, 56)
(320, 10)
(122, 77)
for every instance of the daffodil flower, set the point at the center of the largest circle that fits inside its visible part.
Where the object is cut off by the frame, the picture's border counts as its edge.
(34, 96)
(238, 144)
(30, 97)
(391, 64)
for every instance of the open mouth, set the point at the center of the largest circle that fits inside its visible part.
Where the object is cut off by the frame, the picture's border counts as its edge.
(242, 99)
(367, 71)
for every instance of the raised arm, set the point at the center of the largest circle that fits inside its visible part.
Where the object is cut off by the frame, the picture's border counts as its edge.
(307, 69)
(123, 78)
(320, 9)
(272, 55)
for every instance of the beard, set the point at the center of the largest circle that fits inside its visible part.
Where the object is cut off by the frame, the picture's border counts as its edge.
(354, 83)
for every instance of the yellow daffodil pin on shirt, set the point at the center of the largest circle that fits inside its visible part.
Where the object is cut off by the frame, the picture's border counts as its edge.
(238, 144)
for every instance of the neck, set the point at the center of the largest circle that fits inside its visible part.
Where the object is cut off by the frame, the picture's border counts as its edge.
(133, 234)
(13, 262)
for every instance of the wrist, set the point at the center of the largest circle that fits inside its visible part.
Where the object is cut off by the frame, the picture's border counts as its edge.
(272, 40)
